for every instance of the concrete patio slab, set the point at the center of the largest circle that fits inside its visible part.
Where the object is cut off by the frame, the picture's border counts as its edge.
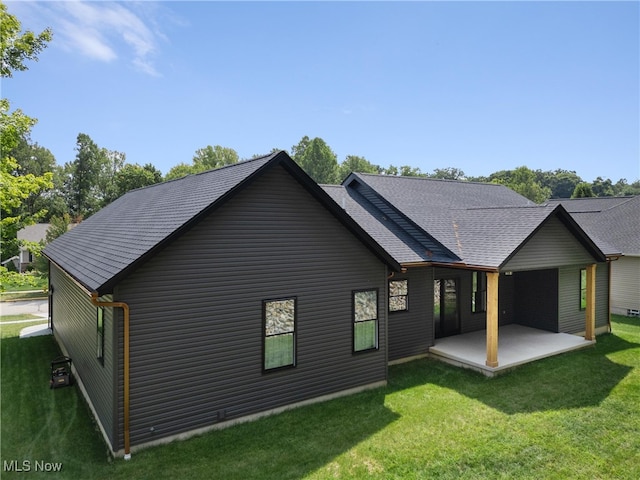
(517, 345)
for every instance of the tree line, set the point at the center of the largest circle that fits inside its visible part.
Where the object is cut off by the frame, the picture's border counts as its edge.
(35, 188)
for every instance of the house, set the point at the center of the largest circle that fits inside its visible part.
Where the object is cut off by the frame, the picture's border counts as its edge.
(32, 233)
(217, 297)
(241, 291)
(477, 256)
(614, 222)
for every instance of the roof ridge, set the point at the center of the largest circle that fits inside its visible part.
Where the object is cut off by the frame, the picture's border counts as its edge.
(192, 175)
(506, 207)
(432, 179)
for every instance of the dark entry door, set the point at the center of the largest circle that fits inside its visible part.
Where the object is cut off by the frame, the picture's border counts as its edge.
(445, 307)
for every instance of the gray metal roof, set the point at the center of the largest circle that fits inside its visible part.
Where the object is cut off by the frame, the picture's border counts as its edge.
(104, 247)
(614, 222)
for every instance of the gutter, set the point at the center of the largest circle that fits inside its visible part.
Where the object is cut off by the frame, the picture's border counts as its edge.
(125, 310)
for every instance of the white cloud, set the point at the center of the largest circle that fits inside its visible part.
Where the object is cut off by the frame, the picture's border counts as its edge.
(106, 31)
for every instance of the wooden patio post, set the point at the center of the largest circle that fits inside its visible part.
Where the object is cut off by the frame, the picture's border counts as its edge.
(590, 314)
(492, 319)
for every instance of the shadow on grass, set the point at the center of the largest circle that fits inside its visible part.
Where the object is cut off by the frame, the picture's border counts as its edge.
(56, 426)
(577, 379)
(40, 424)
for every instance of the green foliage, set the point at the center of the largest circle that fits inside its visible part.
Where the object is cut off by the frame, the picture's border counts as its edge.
(15, 188)
(84, 172)
(16, 47)
(178, 171)
(449, 173)
(11, 280)
(582, 190)
(353, 163)
(317, 159)
(561, 182)
(209, 157)
(602, 187)
(523, 181)
(132, 176)
(403, 171)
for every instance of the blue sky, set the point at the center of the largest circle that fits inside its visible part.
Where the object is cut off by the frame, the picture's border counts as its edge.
(480, 86)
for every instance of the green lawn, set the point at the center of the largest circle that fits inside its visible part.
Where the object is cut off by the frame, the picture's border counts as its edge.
(572, 416)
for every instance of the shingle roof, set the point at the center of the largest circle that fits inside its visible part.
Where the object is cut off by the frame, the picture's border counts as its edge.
(489, 236)
(479, 224)
(384, 230)
(103, 248)
(614, 222)
(34, 233)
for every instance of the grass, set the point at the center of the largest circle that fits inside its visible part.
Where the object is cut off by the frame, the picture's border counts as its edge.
(572, 416)
(8, 329)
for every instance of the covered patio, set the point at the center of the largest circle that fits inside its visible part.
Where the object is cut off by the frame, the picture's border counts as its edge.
(517, 345)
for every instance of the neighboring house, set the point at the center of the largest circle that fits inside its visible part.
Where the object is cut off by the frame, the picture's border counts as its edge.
(248, 289)
(614, 222)
(32, 233)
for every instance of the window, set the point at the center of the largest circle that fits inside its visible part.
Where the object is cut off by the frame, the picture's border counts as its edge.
(365, 320)
(398, 295)
(583, 289)
(279, 317)
(100, 334)
(478, 292)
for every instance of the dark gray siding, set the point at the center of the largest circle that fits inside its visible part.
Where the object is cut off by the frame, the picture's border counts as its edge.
(74, 326)
(571, 318)
(551, 246)
(411, 331)
(196, 312)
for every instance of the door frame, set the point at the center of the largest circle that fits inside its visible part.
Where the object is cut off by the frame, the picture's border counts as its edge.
(438, 331)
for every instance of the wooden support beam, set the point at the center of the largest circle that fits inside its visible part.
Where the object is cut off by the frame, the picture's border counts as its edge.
(492, 319)
(590, 314)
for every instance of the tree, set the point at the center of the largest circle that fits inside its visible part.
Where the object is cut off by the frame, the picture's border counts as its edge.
(178, 171)
(602, 187)
(582, 190)
(449, 173)
(36, 160)
(523, 181)
(353, 163)
(403, 171)
(562, 183)
(134, 176)
(15, 47)
(298, 150)
(318, 160)
(83, 179)
(209, 157)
